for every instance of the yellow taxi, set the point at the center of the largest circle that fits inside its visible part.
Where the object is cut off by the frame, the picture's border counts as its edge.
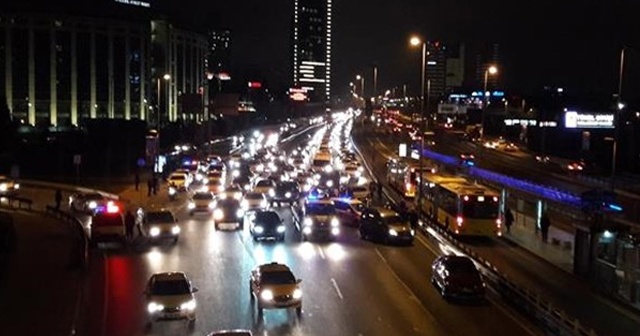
(274, 286)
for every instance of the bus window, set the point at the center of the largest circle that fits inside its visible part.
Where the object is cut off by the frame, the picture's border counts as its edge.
(488, 209)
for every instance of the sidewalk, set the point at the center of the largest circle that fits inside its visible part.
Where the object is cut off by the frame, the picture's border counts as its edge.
(39, 293)
(554, 251)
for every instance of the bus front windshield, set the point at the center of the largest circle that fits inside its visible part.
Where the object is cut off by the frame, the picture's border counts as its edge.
(488, 209)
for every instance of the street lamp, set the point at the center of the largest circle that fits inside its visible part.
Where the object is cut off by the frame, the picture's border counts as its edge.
(491, 70)
(166, 77)
(361, 79)
(416, 41)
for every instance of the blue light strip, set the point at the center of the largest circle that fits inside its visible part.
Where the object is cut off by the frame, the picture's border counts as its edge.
(545, 192)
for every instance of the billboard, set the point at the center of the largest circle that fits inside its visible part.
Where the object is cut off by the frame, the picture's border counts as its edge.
(573, 119)
(137, 3)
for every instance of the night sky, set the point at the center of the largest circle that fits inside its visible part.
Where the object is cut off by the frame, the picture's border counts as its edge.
(569, 43)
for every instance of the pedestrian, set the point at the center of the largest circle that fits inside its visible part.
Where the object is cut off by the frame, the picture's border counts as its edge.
(58, 198)
(129, 223)
(137, 181)
(508, 219)
(380, 191)
(155, 184)
(545, 223)
(149, 186)
(413, 218)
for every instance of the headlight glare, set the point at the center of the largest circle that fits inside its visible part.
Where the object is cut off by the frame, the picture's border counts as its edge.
(218, 214)
(154, 232)
(393, 232)
(281, 229)
(307, 221)
(175, 230)
(191, 305)
(266, 295)
(335, 222)
(258, 229)
(153, 307)
(297, 293)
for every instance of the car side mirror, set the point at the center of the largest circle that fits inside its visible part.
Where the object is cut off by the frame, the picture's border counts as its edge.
(298, 281)
(194, 289)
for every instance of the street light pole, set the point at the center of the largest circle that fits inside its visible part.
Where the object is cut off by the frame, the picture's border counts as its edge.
(490, 70)
(415, 41)
(361, 79)
(375, 82)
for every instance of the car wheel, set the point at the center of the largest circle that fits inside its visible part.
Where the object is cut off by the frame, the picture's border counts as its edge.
(175, 240)
(299, 311)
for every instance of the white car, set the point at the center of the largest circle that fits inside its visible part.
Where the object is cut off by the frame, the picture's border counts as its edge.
(159, 224)
(170, 297)
(254, 201)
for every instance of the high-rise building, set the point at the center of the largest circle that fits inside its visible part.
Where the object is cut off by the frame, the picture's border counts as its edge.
(312, 48)
(436, 69)
(219, 55)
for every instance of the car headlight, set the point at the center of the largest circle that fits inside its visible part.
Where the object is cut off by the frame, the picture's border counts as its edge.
(413, 232)
(240, 213)
(272, 192)
(212, 205)
(281, 229)
(335, 222)
(237, 195)
(220, 188)
(266, 295)
(244, 204)
(329, 183)
(172, 191)
(307, 221)
(235, 173)
(154, 231)
(247, 187)
(297, 293)
(306, 188)
(153, 307)
(287, 194)
(335, 231)
(191, 305)
(175, 230)
(258, 229)
(218, 214)
(92, 204)
(263, 204)
(16, 186)
(191, 205)
(307, 230)
(3, 187)
(393, 232)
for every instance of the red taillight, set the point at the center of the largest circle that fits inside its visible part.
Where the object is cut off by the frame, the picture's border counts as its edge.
(459, 220)
(112, 208)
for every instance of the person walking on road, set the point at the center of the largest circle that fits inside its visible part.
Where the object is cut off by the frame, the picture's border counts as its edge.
(545, 223)
(149, 186)
(129, 223)
(155, 184)
(58, 198)
(379, 191)
(137, 181)
(508, 219)
(413, 218)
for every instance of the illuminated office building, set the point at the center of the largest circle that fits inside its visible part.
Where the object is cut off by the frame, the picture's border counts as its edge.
(312, 48)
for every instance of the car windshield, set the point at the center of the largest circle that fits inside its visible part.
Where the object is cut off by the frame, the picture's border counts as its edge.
(214, 174)
(278, 278)
(203, 196)
(93, 197)
(170, 287)
(254, 196)
(160, 217)
(216, 167)
(264, 183)
(177, 177)
(460, 266)
(267, 217)
(320, 209)
(360, 189)
(394, 220)
(320, 162)
(228, 203)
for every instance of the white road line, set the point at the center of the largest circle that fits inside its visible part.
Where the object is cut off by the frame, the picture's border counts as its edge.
(321, 252)
(335, 286)
(407, 288)
(105, 293)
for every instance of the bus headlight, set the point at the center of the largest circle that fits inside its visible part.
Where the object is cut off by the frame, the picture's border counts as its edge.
(335, 222)
(218, 214)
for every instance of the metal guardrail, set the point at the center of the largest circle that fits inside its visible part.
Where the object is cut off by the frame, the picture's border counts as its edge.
(16, 202)
(79, 256)
(64, 187)
(548, 317)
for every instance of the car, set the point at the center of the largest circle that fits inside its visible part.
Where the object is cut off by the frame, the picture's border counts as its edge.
(234, 160)
(286, 192)
(201, 201)
(359, 192)
(228, 214)
(543, 159)
(511, 147)
(267, 225)
(159, 224)
(254, 201)
(319, 219)
(349, 210)
(575, 166)
(170, 296)
(457, 277)
(215, 186)
(266, 187)
(86, 202)
(385, 225)
(233, 191)
(273, 286)
(467, 159)
(8, 186)
(107, 224)
(179, 180)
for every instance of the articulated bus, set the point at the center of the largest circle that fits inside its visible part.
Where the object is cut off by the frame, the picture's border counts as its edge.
(403, 176)
(461, 206)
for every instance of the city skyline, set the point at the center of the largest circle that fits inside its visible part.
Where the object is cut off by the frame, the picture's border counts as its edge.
(568, 44)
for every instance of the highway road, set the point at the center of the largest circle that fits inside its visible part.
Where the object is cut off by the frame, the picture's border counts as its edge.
(351, 287)
(564, 290)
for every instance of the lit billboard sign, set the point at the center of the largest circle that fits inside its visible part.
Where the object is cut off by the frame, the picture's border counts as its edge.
(573, 119)
(136, 3)
(298, 94)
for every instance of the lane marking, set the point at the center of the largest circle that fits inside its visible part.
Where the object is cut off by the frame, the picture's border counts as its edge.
(321, 252)
(105, 293)
(335, 286)
(412, 295)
